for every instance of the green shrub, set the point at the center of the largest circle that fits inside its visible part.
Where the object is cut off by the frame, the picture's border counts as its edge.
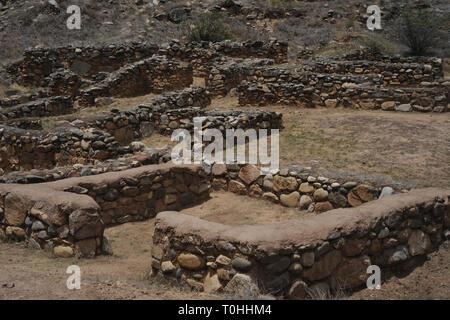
(208, 26)
(376, 45)
(418, 30)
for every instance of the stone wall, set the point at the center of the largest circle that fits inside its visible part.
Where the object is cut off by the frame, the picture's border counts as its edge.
(69, 216)
(29, 149)
(91, 139)
(37, 64)
(292, 188)
(360, 55)
(347, 94)
(275, 50)
(303, 257)
(21, 98)
(391, 73)
(62, 83)
(90, 62)
(128, 125)
(44, 107)
(176, 110)
(171, 120)
(24, 123)
(127, 161)
(229, 73)
(225, 74)
(152, 75)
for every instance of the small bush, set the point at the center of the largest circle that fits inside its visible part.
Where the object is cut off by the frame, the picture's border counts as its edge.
(418, 30)
(208, 26)
(375, 45)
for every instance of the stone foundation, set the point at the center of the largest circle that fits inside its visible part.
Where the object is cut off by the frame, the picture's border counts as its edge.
(30, 149)
(91, 62)
(296, 258)
(294, 188)
(69, 216)
(152, 75)
(44, 107)
(346, 94)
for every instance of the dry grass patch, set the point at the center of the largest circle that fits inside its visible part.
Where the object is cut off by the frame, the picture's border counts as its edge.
(406, 147)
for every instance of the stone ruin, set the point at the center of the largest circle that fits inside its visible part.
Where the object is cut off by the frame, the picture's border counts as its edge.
(61, 187)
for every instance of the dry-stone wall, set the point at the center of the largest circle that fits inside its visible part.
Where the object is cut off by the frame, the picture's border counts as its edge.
(152, 75)
(21, 98)
(361, 55)
(24, 123)
(363, 84)
(294, 188)
(68, 216)
(345, 94)
(310, 256)
(391, 73)
(29, 149)
(44, 107)
(225, 74)
(176, 110)
(183, 119)
(91, 62)
(62, 83)
(127, 161)
(37, 64)
(95, 138)
(128, 125)
(275, 50)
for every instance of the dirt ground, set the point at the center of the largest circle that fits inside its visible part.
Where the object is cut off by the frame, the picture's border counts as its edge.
(221, 208)
(428, 281)
(31, 274)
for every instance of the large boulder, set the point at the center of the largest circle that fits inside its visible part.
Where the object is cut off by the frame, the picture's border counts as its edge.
(419, 243)
(241, 285)
(320, 195)
(360, 194)
(63, 252)
(16, 209)
(324, 267)
(85, 224)
(323, 206)
(351, 273)
(191, 261)
(306, 187)
(353, 247)
(249, 173)
(305, 201)
(281, 184)
(290, 200)
(49, 213)
(237, 187)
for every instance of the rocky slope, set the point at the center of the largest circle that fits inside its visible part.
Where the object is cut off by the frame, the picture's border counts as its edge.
(322, 25)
